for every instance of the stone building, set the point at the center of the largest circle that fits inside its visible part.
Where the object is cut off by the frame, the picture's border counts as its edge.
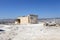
(30, 19)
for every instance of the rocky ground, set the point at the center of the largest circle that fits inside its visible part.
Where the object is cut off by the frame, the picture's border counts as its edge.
(30, 32)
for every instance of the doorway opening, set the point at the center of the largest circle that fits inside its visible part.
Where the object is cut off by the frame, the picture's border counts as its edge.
(18, 21)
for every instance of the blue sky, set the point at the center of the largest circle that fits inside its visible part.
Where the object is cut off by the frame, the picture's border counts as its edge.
(43, 8)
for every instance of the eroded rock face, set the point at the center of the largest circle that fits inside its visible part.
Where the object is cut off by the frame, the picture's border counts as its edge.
(9, 35)
(38, 32)
(31, 32)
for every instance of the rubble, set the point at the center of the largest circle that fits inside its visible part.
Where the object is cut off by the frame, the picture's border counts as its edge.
(31, 32)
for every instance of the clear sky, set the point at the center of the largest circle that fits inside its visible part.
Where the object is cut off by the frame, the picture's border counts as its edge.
(43, 8)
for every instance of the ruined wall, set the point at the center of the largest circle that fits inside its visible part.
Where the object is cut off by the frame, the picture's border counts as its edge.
(31, 19)
(23, 20)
